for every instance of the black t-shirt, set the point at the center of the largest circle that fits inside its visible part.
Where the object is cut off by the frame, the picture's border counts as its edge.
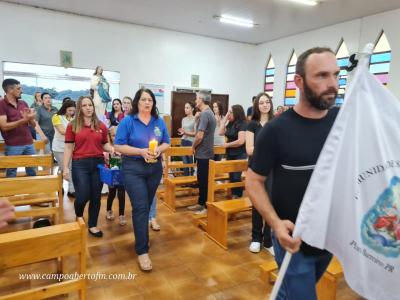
(232, 133)
(289, 146)
(254, 127)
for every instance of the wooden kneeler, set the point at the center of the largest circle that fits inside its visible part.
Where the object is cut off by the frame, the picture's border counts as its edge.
(36, 245)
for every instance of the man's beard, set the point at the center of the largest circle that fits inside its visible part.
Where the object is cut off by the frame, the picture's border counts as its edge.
(317, 101)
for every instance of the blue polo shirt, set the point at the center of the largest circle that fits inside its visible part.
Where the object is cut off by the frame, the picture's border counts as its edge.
(133, 132)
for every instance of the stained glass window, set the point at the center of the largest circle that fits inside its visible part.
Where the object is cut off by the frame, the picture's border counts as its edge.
(269, 77)
(380, 59)
(290, 89)
(342, 57)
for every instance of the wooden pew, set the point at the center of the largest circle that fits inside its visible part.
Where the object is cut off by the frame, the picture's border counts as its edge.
(40, 146)
(174, 184)
(36, 245)
(218, 212)
(327, 285)
(19, 161)
(176, 142)
(22, 191)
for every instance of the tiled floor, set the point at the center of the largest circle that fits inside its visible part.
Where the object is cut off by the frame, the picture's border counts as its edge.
(187, 265)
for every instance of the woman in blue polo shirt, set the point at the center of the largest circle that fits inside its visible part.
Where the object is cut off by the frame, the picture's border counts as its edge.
(141, 177)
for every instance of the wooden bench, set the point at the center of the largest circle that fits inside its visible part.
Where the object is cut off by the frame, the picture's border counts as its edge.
(176, 142)
(40, 146)
(31, 190)
(218, 212)
(177, 184)
(46, 162)
(37, 245)
(327, 285)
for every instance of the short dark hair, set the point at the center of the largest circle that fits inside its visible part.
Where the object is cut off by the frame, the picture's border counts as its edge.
(44, 94)
(301, 61)
(66, 98)
(135, 102)
(8, 83)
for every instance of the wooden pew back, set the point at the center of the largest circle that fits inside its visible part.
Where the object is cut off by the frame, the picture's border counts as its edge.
(41, 244)
(33, 190)
(39, 146)
(17, 161)
(222, 167)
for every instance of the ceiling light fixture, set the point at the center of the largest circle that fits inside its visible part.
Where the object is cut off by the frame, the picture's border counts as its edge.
(235, 21)
(306, 2)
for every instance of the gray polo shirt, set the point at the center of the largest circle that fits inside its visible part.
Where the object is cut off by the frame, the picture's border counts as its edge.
(207, 123)
(43, 116)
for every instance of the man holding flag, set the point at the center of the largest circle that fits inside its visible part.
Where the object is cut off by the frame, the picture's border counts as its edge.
(288, 148)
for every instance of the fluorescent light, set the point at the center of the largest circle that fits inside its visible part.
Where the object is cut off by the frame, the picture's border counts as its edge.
(235, 21)
(306, 2)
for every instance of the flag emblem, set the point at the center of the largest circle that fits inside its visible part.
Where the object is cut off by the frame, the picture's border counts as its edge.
(380, 229)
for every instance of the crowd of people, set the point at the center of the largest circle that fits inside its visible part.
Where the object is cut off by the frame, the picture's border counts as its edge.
(282, 148)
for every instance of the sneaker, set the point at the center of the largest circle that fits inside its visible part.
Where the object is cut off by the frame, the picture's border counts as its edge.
(122, 220)
(271, 250)
(201, 211)
(195, 207)
(255, 247)
(109, 215)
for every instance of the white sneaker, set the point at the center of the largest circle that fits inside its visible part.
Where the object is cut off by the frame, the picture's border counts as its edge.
(122, 220)
(194, 207)
(271, 250)
(255, 247)
(201, 211)
(109, 215)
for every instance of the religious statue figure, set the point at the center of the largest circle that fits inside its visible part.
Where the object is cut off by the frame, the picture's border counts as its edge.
(99, 89)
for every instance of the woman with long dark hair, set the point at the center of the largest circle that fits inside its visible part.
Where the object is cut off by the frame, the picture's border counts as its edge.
(117, 113)
(263, 112)
(141, 137)
(85, 140)
(234, 126)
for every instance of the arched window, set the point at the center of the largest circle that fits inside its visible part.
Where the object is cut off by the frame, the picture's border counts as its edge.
(290, 90)
(269, 77)
(342, 57)
(380, 59)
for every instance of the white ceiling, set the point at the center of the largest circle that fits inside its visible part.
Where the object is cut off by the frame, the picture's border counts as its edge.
(276, 18)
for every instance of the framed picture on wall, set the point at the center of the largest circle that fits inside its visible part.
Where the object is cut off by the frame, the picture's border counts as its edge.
(66, 58)
(158, 91)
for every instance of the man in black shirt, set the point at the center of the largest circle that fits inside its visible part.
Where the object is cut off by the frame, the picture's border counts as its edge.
(289, 146)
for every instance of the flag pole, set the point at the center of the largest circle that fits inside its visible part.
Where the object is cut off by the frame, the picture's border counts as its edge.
(281, 275)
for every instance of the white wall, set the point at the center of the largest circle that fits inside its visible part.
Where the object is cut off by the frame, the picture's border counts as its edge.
(356, 34)
(141, 54)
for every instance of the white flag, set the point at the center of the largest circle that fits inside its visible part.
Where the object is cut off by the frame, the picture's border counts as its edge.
(352, 203)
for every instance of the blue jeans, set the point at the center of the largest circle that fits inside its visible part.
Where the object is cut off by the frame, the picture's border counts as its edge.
(302, 274)
(141, 180)
(153, 209)
(20, 150)
(86, 178)
(187, 159)
(236, 176)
